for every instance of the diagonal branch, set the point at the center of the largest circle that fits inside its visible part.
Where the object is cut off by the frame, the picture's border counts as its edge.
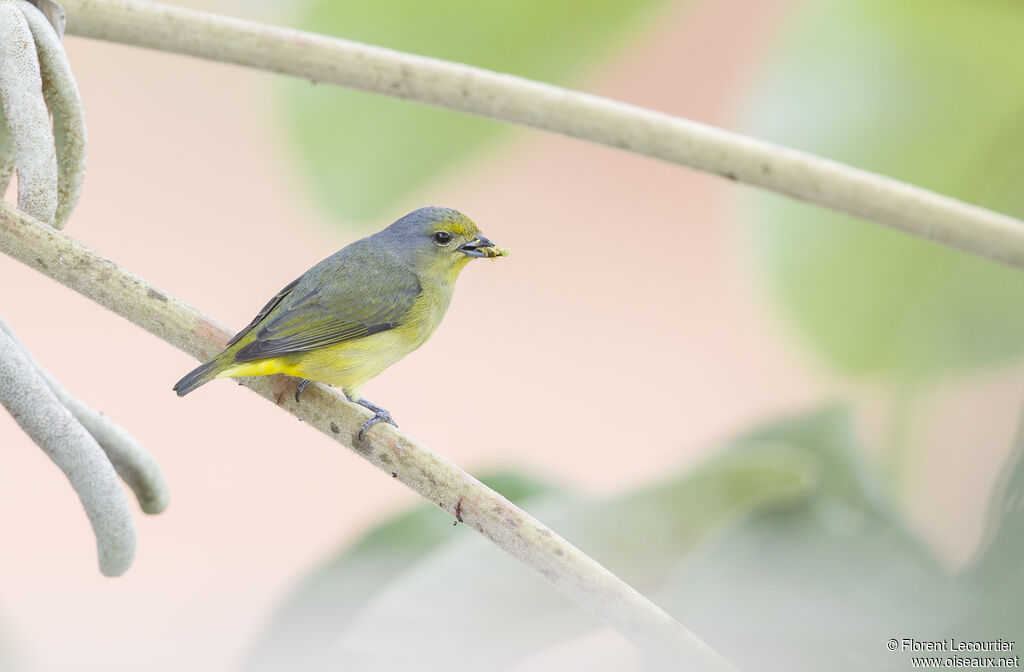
(571, 571)
(463, 88)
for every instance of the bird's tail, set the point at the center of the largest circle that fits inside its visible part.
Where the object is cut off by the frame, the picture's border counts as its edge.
(200, 375)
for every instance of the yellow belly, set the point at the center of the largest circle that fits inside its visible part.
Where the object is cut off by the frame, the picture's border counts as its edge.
(346, 365)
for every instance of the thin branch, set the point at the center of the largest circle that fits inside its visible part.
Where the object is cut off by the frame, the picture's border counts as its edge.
(133, 463)
(27, 117)
(6, 154)
(571, 571)
(319, 58)
(65, 104)
(31, 402)
(54, 14)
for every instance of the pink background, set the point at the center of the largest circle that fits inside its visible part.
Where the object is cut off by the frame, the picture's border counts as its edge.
(628, 333)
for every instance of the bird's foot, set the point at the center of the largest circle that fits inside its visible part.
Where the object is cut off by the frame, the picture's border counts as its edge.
(301, 386)
(379, 415)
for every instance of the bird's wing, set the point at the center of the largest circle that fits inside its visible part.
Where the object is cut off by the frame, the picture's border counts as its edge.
(300, 319)
(264, 311)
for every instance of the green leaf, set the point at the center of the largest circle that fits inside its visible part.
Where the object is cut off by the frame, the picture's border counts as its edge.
(361, 152)
(822, 585)
(924, 91)
(467, 605)
(782, 552)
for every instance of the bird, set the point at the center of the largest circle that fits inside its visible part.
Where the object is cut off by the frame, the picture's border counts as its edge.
(357, 312)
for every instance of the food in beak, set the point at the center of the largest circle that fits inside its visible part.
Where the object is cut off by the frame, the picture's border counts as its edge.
(482, 247)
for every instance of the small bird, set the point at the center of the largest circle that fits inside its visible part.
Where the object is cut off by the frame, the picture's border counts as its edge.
(358, 311)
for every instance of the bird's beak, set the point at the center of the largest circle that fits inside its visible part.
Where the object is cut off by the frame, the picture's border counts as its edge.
(482, 247)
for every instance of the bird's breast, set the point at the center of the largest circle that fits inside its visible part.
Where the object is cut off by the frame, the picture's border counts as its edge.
(428, 310)
(350, 364)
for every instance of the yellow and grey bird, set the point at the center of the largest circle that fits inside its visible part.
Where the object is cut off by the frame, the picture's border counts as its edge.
(358, 311)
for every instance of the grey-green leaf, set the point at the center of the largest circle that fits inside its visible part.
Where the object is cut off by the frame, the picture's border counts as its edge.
(925, 91)
(466, 605)
(302, 631)
(822, 585)
(997, 571)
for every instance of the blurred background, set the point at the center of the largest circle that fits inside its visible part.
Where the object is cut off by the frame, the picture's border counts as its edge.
(784, 425)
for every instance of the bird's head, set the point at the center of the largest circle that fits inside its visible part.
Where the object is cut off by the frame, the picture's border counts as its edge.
(438, 242)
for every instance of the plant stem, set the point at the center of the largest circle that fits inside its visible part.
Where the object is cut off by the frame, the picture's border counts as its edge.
(463, 88)
(65, 104)
(130, 460)
(27, 396)
(571, 571)
(28, 120)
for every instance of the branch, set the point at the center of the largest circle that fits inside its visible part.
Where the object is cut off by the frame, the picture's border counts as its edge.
(53, 13)
(6, 154)
(28, 120)
(65, 104)
(30, 401)
(571, 571)
(319, 58)
(133, 463)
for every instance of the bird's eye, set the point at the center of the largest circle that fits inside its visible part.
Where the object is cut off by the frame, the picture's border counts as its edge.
(442, 237)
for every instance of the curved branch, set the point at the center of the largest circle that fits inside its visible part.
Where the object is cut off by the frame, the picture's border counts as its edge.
(28, 398)
(133, 463)
(571, 571)
(910, 209)
(27, 117)
(54, 14)
(65, 104)
(6, 154)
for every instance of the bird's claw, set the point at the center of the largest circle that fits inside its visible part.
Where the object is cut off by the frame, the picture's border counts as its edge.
(380, 415)
(299, 388)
